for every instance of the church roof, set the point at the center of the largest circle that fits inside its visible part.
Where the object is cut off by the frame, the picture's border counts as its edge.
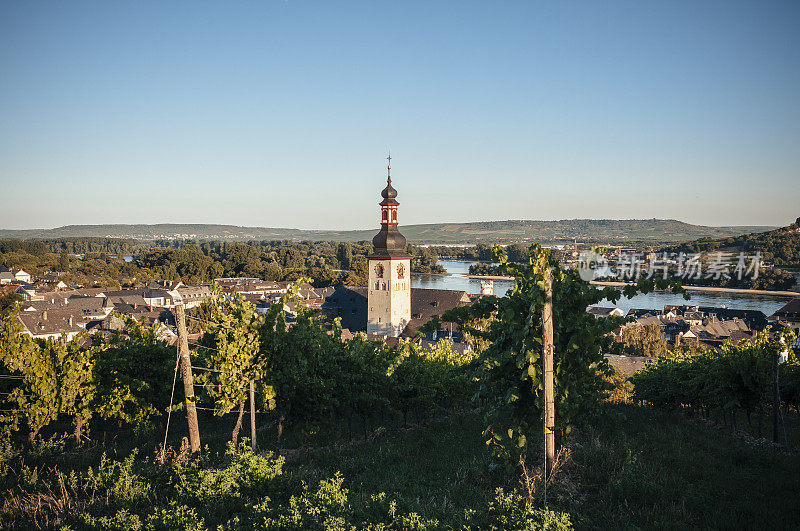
(350, 303)
(388, 194)
(427, 304)
(389, 243)
(790, 311)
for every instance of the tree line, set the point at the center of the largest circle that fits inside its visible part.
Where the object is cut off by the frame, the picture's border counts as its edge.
(780, 246)
(516, 252)
(103, 262)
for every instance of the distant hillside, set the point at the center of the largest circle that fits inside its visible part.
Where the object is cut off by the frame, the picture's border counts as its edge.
(513, 231)
(780, 246)
(586, 230)
(163, 231)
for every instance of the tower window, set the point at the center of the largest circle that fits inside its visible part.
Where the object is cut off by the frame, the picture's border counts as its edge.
(379, 270)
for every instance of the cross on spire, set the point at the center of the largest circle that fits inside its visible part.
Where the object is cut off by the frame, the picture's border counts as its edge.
(389, 168)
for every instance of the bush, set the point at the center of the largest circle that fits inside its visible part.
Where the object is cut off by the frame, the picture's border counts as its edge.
(734, 377)
(234, 490)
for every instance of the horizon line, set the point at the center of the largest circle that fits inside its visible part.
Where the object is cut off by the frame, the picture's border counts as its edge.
(371, 227)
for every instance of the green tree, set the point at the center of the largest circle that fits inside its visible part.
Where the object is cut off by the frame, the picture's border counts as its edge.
(56, 378)
(644, 340)
(423, 260)
(510, 369)
(133, 374)
(9, 302)
(345, 256)
(234, 353)
(63, 262)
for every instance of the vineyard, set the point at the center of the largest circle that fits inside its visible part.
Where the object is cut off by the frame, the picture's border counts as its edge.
(350, 432)
(305, 375)
(722, 382)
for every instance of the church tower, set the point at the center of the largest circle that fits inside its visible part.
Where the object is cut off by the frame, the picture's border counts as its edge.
(389, 292)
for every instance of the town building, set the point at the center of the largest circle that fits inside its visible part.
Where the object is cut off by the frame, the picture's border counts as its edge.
(53, 324)
(350, 304)
(20, 275)
(788, 315)
(389, 287)
(754, 319)
(708, 327)
(642, 312)
(251, 286)
(27, 291)
(193, 296)
(89, 307)
(388, 307)
(6, 277)
(603, 311)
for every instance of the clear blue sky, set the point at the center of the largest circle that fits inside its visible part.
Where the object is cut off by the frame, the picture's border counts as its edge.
(279, 113)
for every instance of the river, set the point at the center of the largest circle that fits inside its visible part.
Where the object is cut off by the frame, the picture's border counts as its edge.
(457, 279)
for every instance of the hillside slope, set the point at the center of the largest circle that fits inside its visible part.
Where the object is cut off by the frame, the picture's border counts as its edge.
(780, 246)
(511, 231)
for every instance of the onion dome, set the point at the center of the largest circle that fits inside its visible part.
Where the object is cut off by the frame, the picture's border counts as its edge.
(389, 192)
(390, 242)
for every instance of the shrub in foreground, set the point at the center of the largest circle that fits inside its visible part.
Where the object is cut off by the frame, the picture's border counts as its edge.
(235, 490)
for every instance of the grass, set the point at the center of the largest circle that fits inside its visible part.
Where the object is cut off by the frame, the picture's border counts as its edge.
(636, 467)
(788, 426)
(631, 468)
(656, 469)
(436, 470)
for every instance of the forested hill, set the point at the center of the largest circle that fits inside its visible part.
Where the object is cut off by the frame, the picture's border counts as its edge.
(512, 231)
(780, 246)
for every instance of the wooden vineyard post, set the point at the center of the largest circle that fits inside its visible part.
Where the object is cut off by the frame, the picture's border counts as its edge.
(188, 382)
(547, 356)
(253, 415)
(776, 397)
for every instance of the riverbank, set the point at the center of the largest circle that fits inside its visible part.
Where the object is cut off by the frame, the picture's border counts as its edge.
(707, 289)
(767, 302)
(491, 277)
(710, 289)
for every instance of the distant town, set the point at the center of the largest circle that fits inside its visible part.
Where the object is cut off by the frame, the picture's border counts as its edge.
(51, 309)
(60, 304)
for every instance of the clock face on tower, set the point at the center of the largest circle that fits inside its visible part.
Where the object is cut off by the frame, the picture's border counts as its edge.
(379, 270)
(401, 271)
